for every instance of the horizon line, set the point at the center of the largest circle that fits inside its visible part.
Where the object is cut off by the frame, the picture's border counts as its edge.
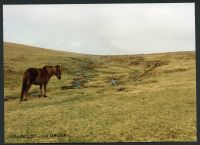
(54, 49)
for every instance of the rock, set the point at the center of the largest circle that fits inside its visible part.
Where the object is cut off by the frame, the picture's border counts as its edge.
(77, 83)
(114, 82)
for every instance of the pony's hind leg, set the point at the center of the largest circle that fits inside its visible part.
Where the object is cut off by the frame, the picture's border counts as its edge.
(45, 88)
(26, 91)
(24, 85)
(40, 90)
(21, 97)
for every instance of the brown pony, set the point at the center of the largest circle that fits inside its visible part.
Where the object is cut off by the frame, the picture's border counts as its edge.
(39, 76)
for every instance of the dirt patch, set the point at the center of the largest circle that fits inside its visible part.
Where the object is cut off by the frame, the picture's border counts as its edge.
(121, 89)
(5, 99)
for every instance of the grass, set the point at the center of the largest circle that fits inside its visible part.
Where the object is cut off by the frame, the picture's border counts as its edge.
(158, 104)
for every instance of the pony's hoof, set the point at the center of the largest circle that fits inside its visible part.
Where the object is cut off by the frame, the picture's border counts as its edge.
(45, 96)
(25, 99)
(39, 96)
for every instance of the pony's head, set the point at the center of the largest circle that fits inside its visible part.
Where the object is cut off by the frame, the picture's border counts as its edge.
(58, 71)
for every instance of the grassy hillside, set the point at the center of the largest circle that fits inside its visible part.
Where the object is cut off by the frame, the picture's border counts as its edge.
(125, 98)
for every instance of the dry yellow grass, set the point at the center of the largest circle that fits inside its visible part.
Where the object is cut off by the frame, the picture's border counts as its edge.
(153, 100)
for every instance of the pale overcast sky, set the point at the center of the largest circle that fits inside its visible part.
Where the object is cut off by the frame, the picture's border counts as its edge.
(102, 28)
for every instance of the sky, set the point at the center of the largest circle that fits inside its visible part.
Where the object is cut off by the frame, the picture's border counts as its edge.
(102, 29)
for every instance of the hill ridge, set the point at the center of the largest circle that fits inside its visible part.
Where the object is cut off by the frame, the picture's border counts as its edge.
(62, 51)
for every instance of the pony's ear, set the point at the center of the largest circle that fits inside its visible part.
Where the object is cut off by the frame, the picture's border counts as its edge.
(57, 66)
(60, 67)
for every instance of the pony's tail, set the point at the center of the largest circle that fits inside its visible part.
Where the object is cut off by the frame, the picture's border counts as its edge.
(24, 84)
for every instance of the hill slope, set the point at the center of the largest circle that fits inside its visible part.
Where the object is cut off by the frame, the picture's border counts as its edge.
(125, 98)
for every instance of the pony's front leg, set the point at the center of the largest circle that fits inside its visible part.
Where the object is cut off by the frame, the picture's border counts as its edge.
(40, 90)
(45, 88)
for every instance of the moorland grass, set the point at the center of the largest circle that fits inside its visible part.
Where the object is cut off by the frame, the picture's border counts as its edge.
(160, 105)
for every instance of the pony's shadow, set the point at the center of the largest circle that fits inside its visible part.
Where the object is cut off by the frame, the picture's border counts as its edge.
(10, 97)
(13, 97)
(36, 94)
